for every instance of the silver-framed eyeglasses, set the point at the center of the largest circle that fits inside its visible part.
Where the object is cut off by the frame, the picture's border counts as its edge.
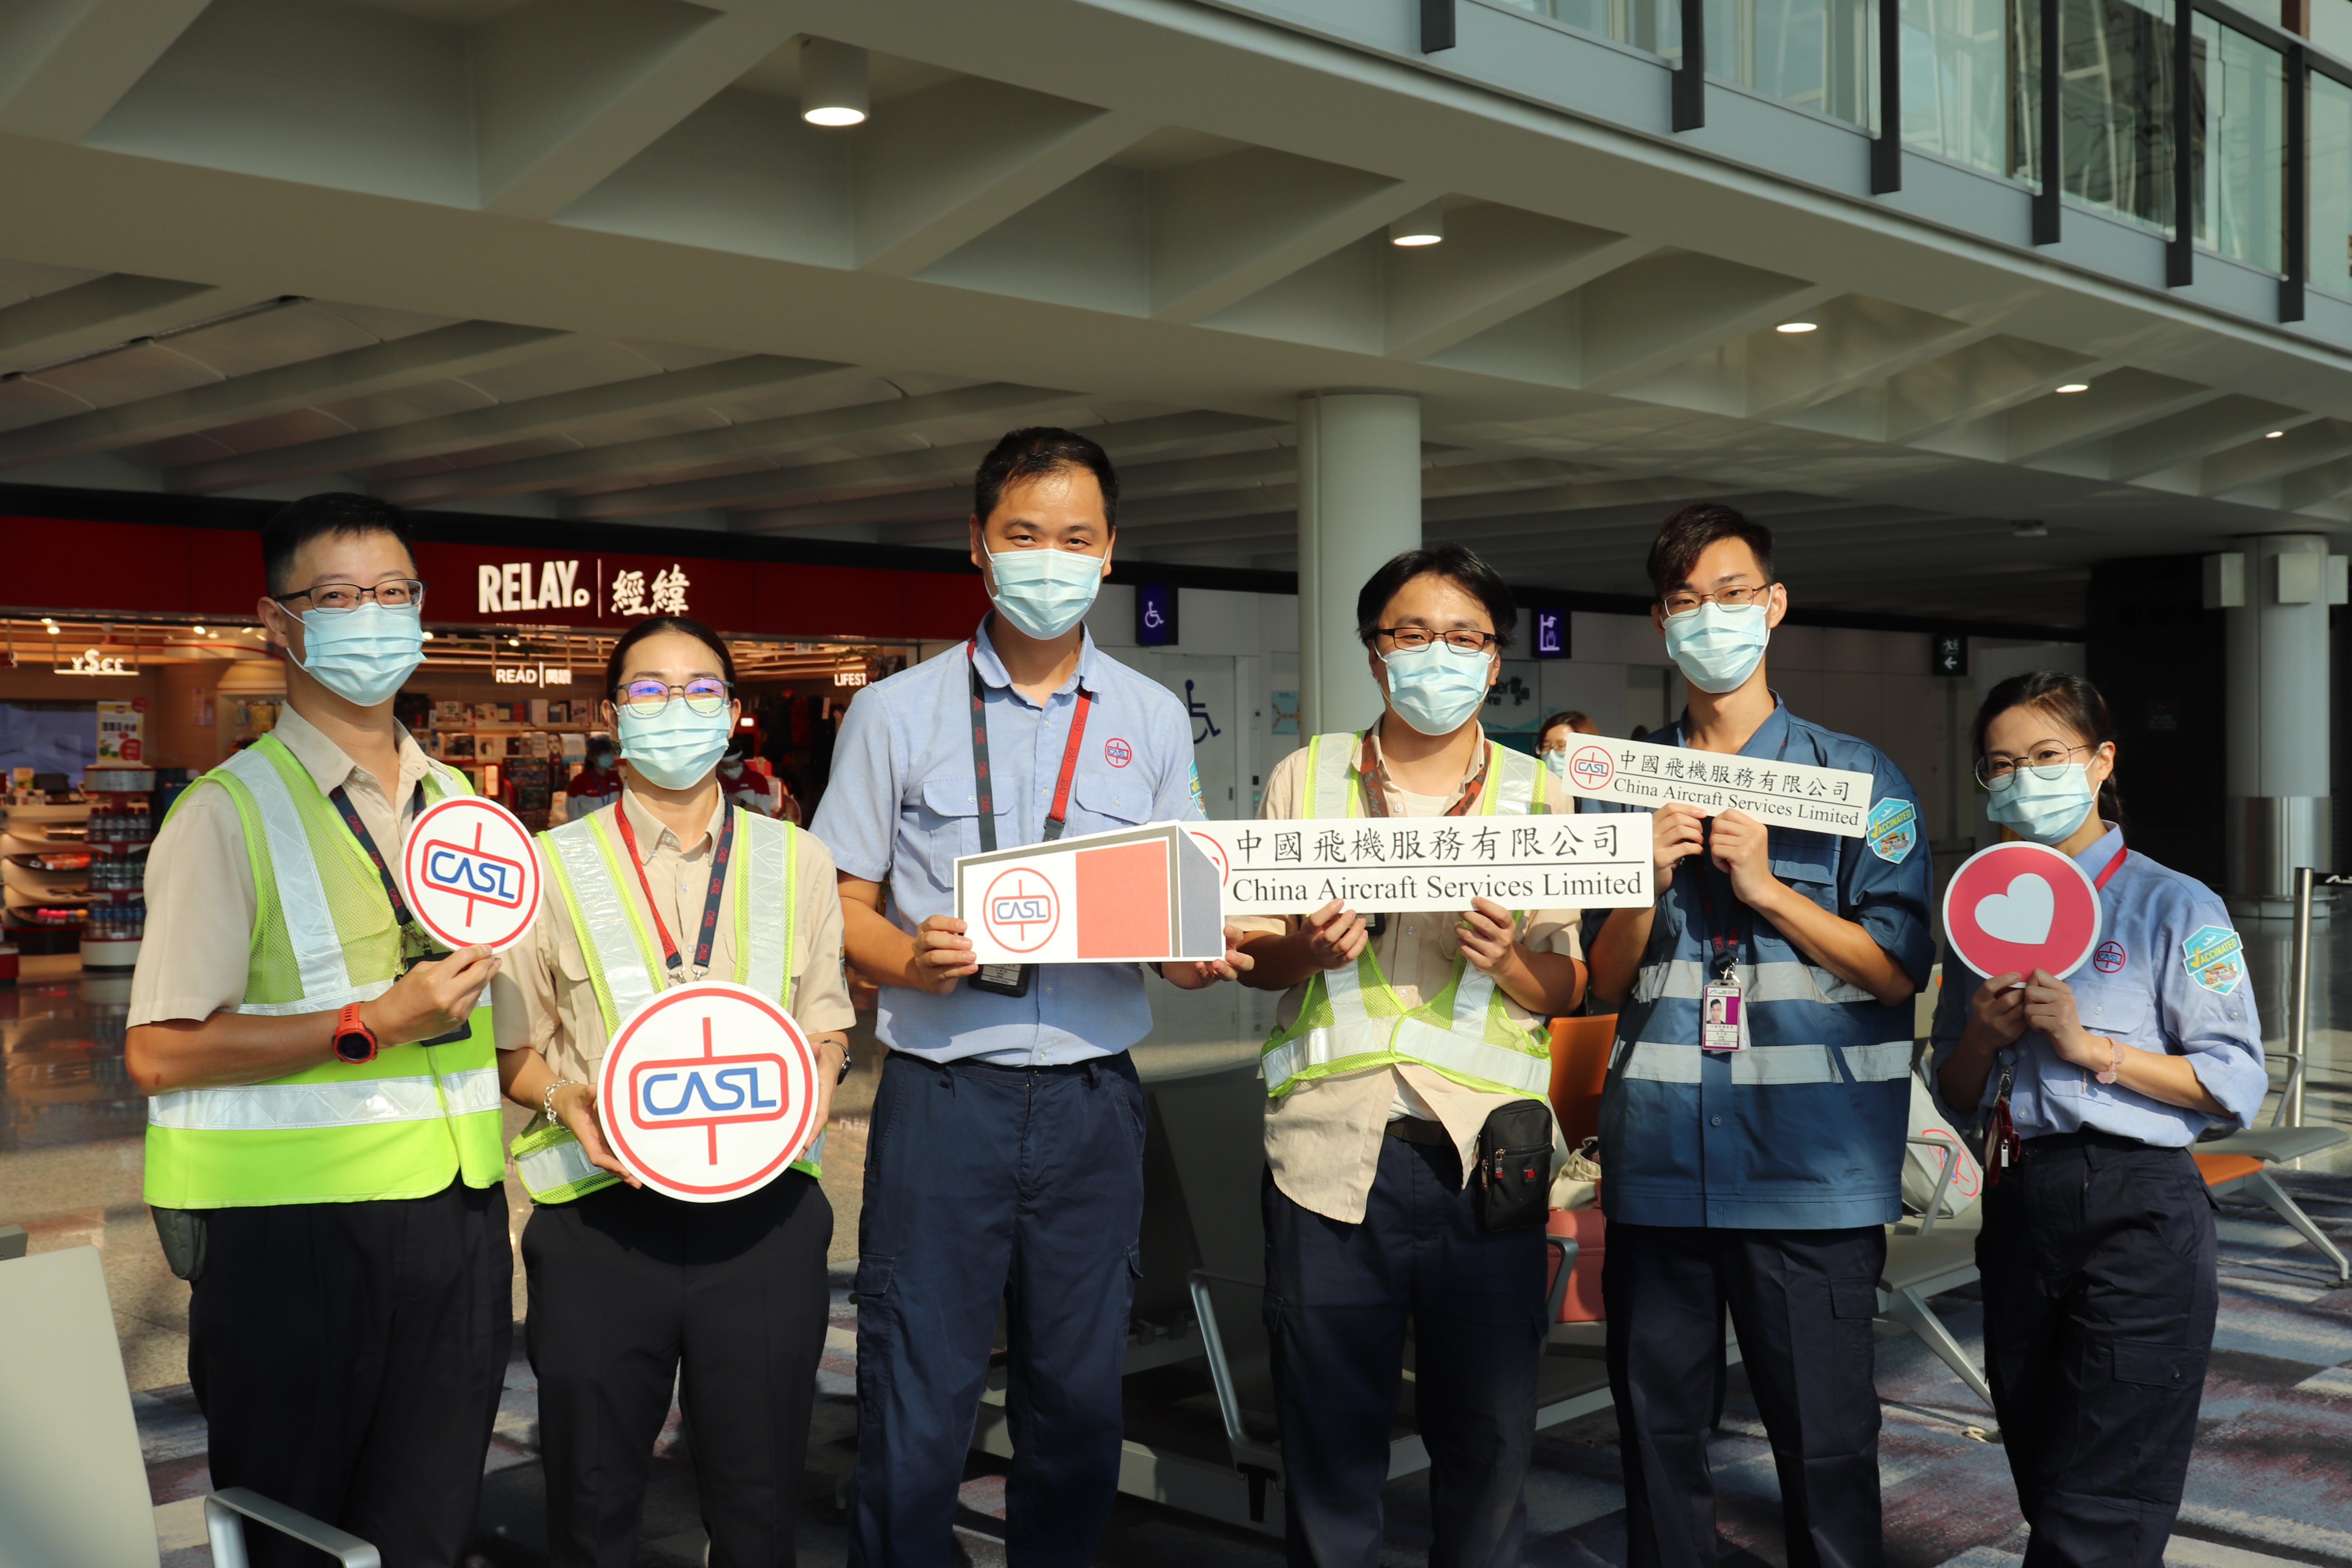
(1413, 639)
(706, 696)
(1738, 596)
(2047, 762)
(341, 598)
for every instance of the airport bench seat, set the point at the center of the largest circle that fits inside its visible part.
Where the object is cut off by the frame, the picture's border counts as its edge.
(2226, 1163)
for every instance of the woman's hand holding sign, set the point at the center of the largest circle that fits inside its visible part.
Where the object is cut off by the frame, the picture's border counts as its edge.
(575, 1107)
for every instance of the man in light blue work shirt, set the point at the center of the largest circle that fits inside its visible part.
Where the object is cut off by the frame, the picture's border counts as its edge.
(1004, 1161)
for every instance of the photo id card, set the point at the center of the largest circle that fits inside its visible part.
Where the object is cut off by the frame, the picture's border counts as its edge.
(1723, 1020)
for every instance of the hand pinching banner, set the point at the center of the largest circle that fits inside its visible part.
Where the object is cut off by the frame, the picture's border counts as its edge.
(471, 873)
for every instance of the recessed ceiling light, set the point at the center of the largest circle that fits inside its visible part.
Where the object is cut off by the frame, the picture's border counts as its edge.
(2273, 434)
(202, 633)
(1798, 327)
(833, 83)
(1425, 226)
(428, 637)
(2076, 386)
(514, 642)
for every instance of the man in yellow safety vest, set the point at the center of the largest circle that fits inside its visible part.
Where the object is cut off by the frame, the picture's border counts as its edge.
(322, 1141)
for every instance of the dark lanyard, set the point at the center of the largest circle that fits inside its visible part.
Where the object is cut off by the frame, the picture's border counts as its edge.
(359, 830)
(719, 859)
(1726, 946)
(987, 789)
(1376, 795)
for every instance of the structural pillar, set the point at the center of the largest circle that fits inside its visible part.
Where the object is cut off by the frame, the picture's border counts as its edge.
(1358, 505)
(2276, 762)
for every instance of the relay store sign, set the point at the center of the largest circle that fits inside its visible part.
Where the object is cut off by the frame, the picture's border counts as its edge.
(1778, 793)
(506, 589)
(1408, 864)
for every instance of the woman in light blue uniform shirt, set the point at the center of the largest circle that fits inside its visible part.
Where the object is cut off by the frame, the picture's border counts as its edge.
(2097, 1250)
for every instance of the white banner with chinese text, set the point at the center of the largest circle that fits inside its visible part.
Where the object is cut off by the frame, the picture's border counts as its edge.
(1403, 864)
(1776, 794)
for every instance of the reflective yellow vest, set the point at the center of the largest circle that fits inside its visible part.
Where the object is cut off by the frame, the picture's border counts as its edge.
(626, 968)
(1352, 1018)
(401, 1126)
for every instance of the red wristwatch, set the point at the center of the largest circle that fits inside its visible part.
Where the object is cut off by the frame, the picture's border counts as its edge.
(354, 1041)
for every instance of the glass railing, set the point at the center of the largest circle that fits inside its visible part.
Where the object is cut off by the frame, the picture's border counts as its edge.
(2145, 121)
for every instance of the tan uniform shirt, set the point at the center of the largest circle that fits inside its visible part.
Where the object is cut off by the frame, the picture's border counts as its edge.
(200, 894)
(542, 994)
(1323, 1138)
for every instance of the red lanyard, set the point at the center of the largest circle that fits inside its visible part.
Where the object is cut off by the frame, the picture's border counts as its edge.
(979, 758)
(2101, 879)
(1369, 766)
(719, 858)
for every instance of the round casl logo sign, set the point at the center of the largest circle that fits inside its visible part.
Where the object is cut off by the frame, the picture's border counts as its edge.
(708, 1092)
(471, 873)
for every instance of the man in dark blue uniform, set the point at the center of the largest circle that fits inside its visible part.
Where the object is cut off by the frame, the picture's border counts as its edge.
(1758, 1178)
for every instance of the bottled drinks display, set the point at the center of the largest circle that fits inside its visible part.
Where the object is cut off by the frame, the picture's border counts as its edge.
(115, 923)
(126, 874)
(121, 827)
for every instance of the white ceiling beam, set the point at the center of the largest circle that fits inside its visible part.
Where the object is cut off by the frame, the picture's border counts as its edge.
(695, 448)
(1766, 373)
(94, 315)
(906, 506)
(1590, 496)
(64, 63)
(1496, 262)
(2119, 401)
(1667, 308)
(2267, 458)
(637, 397)
(2186, 437)
(1225, 227)
(927, 468)
(940, 168)
(1970, 384)
(565, 91)
(458, 349)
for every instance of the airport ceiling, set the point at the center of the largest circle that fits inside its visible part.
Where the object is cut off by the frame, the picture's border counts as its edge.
(583, 259)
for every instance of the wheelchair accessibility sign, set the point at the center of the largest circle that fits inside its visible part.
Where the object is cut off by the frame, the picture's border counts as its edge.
(471, 873)
(708, 1092)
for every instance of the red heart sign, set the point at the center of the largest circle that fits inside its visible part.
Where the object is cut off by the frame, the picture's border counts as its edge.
(2022, 907)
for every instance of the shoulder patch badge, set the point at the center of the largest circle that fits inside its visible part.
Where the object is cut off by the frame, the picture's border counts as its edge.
(2211, 956)
(1196, 791)
(1892, 829)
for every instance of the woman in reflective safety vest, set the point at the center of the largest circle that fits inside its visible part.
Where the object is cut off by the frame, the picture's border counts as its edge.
(632, 1290)
(2098, 1252)
(1398, 1055)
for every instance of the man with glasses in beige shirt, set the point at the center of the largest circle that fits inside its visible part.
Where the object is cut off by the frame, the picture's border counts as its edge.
(1371, 1217)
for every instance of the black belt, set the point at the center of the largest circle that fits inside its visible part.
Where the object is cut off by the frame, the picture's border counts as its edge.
(1421, 1129)
(2090, 1138)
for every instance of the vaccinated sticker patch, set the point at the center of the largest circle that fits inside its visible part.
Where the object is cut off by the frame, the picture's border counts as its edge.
(1196, 791)
(1892, 830)
(2213, 957)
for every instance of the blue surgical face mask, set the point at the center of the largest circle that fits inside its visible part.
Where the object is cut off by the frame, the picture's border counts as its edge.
(676, 748)
(1044, 593)
(1718, 646)
(2046, 810)
(362, 655)
(1434, 690)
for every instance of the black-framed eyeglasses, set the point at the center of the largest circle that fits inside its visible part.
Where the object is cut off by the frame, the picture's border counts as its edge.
(706, 696)
(1413, 639)
(1682, 601)
(341, 598)
(2048, 762)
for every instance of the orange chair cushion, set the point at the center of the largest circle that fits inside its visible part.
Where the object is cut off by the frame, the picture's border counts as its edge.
(1591, 1232)
(2221, 1170)
(1579, 1066)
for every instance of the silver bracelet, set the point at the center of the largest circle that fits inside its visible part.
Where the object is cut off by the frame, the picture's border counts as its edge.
(547, 1101)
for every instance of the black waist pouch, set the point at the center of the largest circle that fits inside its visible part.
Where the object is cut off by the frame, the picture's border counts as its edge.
(182, 1233)
(1515, 1166)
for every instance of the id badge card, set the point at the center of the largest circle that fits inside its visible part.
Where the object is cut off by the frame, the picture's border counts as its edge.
(1723, 1017)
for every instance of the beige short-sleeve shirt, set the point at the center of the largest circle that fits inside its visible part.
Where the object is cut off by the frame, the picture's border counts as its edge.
(200, 894)
(1323, 1138)
(544, 998)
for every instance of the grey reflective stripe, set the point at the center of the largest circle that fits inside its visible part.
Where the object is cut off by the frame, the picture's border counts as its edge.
(767, 883)
(555, 1167)
(1686, 978)
(1421, 1040)
(814, 1154)
(301, 894)
(278, 1107)
(367, 992)
(1660, 1061)
(1326, 776)
(611, 929)
(1516, 790)
(1881, 1063)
